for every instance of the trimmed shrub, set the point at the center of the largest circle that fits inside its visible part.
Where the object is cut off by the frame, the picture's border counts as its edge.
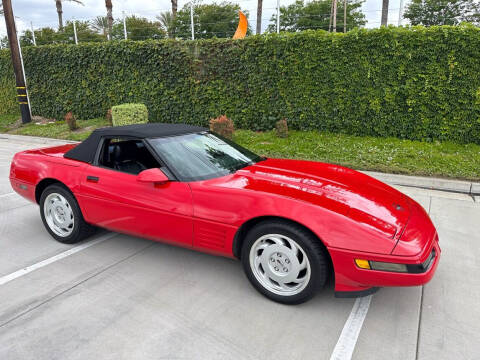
(281, 128)
(416, 83)
(71, 121)
(127, 114)
(222, 126)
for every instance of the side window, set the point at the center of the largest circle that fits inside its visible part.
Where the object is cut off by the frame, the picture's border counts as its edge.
(126, 155)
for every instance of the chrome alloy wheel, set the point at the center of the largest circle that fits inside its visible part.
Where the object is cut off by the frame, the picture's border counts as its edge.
(58, 214)
(280, 264)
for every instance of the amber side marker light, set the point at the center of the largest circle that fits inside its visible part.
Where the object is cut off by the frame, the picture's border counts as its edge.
(362, 264)
(381, 266)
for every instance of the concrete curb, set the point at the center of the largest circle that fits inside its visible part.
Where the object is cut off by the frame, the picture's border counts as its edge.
(35, 139)
(457, 186)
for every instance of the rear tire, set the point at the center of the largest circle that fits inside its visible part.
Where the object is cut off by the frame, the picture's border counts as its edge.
(62, 216)
(284, 262)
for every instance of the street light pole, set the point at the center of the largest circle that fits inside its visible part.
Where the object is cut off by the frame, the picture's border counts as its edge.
(33, 34)
(22, 95)
(278, 16)
(191, 21)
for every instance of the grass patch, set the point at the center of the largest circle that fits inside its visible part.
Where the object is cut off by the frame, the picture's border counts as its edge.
(60, 130)
(440, 159)
(7, 120)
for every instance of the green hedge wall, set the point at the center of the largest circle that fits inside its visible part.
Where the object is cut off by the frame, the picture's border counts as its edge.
(415, 83)
(8, 100)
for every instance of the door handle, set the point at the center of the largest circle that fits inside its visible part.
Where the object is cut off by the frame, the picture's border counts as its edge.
(92, 179)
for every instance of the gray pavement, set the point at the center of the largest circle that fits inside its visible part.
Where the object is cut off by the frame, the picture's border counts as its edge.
(130, 298)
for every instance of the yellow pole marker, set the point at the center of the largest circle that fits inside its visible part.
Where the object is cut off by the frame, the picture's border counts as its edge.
(242, 27)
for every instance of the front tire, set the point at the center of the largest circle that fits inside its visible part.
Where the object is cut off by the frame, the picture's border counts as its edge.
(62, 217)
(284, 262)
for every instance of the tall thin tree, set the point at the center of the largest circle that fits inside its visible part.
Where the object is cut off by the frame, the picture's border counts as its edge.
(174, 8)
(334, 15)
(109, 6)
(259, 16)
(384, 12)
(58, 4)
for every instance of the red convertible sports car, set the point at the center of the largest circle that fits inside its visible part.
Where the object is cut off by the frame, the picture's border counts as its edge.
(290, 222)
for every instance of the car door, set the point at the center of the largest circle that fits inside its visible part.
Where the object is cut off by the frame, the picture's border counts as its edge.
(115, 200)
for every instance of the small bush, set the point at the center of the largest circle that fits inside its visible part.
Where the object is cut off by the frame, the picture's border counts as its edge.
(281, 128)
(127, 114)
(222, 126)
(71, 121)
(108, 116)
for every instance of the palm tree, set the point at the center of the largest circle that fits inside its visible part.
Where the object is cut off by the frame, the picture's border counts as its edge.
(174, 8)
(100, 24)
(259, 16)
(109, 6)
(58, 3)
(166, 20)
(384, 12)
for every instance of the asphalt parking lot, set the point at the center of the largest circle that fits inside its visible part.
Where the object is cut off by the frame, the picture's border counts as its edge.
(121, 297)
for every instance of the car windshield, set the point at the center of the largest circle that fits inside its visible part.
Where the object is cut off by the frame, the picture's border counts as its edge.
(202, 156)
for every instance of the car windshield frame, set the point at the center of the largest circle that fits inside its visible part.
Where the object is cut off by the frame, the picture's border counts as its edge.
(253, 158)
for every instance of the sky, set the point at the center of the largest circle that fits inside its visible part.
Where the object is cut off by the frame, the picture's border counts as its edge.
(42, 13)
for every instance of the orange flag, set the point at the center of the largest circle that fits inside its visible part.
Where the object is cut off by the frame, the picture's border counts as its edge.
(242, 27)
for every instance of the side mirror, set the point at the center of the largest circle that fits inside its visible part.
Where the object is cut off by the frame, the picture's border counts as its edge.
(152, 176)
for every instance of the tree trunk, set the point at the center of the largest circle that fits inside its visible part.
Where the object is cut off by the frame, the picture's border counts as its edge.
(259, 16)
(384, 12)
(174, 8)
(334, 15)
(58, 3)
(174, 15)
(109, 6)
(344, 16)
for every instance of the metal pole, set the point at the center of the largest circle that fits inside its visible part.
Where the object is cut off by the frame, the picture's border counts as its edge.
(278, 16)
(17, 62)
(75, 32)
(344, 16)
(191, 21)
(124, 26)
(400, 13)
(33, 34)
(334, 15)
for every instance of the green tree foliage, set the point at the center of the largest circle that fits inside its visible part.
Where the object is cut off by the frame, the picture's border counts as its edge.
(316, 15)
(4, 42)
(166, 21)
(138, 28)
(442, 12)
(100, 24)
(415, 83)
(47, 35)
(211, 20)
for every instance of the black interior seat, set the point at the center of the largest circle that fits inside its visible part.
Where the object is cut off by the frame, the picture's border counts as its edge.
(126, 158)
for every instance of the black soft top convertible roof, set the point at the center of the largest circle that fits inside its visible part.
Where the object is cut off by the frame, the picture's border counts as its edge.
(85, 151)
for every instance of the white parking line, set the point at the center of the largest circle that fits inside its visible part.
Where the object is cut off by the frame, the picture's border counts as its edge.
(15, 275)
(348, 338)
(8, 194)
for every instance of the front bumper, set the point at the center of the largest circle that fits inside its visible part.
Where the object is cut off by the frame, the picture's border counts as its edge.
(352, 281)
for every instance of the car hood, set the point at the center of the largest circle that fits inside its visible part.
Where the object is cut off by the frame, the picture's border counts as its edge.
(336, 188)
